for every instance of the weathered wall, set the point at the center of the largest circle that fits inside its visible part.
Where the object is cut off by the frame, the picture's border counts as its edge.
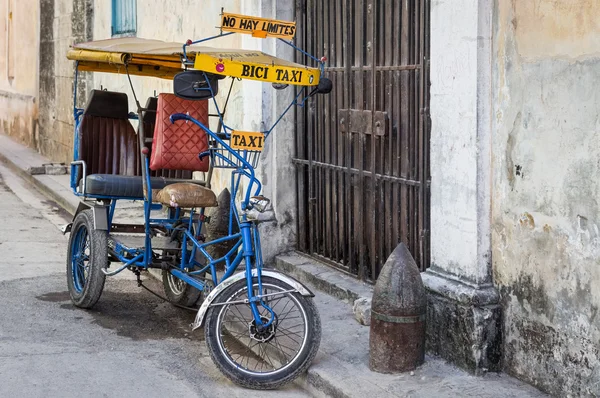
(62, 22)
(464, 316)
(546, 190)
(19, 28)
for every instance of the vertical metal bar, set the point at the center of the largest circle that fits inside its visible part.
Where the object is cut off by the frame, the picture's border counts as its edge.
(422, 115)
(310, 149)
(321, 120)
(372, 27)
(333, 133)
(348, 89)
(313, 109)
(339, 92)
(329, 126)
(427, 176)
(415, 133)
(390, 199)
(404, 121)
(301, 189)
(359, 139)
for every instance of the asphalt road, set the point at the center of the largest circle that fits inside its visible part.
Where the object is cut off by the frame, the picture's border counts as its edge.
(131, 344)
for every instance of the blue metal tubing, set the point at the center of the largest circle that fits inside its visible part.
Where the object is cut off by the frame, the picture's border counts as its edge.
(230, 266)
(133, 261)
(147, 207)
(246, 165)
(92, 196)
(248, 253)
(111, 213)
(294, 102)
(202, 247)
(77, 112)
(187, 279)
(185, 58)
(165, 221)
(289, 43)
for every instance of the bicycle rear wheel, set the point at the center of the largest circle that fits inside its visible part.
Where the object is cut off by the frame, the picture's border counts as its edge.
(268, 358)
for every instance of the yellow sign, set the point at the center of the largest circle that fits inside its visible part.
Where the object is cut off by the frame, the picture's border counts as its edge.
(256, 66)
(258, 27)
(250, 140)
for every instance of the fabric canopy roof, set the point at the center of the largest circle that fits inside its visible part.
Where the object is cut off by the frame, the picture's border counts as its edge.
(164, 59)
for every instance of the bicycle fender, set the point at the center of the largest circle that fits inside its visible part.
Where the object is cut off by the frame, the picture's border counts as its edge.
(82, 206)
(100, 213)
(201, 315)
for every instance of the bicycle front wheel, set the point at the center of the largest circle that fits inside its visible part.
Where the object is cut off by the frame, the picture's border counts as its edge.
(271, 357)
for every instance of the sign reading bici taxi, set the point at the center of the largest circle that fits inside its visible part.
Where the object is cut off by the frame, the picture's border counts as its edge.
(258, 27)
(249, 140)
(256, 66)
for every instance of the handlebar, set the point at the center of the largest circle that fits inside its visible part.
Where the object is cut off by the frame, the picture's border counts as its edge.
(178, 116)
(203, 155)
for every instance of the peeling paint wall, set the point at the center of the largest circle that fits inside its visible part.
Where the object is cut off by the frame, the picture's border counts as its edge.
(546, 191)
(62, 22)
(19, 69)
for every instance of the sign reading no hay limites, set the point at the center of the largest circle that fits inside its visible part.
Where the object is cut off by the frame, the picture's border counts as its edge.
(258, 27)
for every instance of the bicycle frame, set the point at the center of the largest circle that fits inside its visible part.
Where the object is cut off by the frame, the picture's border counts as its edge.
(247, 240)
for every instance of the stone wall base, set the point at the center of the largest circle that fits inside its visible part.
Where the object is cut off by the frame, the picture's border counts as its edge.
(464, 323)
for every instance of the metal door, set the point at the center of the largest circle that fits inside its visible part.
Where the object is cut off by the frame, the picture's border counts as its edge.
(362, 151)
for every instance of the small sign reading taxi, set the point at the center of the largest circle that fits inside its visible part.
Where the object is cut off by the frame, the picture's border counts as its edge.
(258, 27)
(250, 140)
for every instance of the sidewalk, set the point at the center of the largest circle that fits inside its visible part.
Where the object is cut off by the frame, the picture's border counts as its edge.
(341, 367)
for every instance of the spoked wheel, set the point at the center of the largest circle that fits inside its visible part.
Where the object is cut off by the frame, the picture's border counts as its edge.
(269, 357)
(179, 292)
(87, 256)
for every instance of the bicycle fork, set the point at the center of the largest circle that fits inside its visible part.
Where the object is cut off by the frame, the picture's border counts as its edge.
(253, 255)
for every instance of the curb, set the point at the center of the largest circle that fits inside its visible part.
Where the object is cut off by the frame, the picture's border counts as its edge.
(39, 185)
(323, 277)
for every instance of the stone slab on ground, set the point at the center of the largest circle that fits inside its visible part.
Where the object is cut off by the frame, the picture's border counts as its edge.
(341, 367)
(324, 278)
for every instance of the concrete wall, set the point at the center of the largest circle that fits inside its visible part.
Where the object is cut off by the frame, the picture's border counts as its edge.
(19, 32)
(546, 191)
(62, 22)
(464, 315)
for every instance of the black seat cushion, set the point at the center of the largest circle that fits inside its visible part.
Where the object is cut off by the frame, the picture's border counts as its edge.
(126, 186)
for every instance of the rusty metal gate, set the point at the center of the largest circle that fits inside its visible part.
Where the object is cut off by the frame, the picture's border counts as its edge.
(363, 151)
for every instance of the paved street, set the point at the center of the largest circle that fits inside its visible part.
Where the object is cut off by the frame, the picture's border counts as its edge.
(130, 345)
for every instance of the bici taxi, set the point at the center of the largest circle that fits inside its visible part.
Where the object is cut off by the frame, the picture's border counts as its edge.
(261, 327)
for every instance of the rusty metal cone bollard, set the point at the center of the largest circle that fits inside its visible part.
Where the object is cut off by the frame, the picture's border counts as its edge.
(398, 310)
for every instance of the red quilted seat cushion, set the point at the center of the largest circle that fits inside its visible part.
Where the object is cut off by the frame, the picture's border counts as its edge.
(176, 146)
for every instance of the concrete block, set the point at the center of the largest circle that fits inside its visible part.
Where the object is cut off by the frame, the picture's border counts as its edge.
(49, 169)
(463, 324)
(362, 311)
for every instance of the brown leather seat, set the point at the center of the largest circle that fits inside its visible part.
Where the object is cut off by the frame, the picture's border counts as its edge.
(107, 141)
(185, 195)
